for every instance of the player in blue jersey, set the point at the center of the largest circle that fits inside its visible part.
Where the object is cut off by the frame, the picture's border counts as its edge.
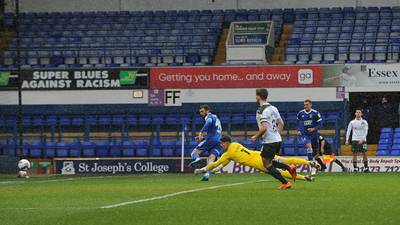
(209, 142)
(309, 121)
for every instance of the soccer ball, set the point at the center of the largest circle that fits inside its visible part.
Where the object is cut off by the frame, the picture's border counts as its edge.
(23, 174)
(24, 164)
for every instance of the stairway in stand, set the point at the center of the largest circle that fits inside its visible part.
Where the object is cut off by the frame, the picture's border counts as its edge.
(220, 55)
(279, 52)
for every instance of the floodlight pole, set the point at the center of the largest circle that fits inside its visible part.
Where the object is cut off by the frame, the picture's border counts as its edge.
(18, 57)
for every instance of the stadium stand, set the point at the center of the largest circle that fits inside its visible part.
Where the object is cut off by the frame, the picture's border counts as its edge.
(389, 142)
(175, 38)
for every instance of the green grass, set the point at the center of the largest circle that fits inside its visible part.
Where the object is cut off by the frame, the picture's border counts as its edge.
(332, 199)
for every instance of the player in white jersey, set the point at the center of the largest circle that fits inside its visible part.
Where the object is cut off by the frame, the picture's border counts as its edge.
(359, 127)
(270, 124)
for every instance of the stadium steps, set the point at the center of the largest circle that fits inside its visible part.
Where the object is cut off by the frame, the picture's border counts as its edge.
(346, 150)
(220, 56)
(279, 52)
(5, 40)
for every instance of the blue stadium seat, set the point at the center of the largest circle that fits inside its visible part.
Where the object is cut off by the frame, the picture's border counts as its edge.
(49, 150)
(384, 141)
(155, 149)
(131, 120)
(128, 149)
(387, 130)
(141, 148)
(62, 149)
(395, 147)
(168, 148)
(35, 149)
(102, 149)
(75, 149)
(382, 153)
(237, 118)
(395, 153)
(88, 149)
(302, 151)
(249, 144)
(289, 151)
(396, 141)
(386, 135)
(144, 119)
(115, 149)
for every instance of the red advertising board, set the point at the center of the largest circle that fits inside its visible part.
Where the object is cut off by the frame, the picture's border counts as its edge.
(236, 77)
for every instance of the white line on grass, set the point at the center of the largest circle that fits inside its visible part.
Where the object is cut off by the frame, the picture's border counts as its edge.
(178, 193)
(49, 181)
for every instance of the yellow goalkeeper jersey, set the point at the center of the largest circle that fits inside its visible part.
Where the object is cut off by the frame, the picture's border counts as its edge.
(240, 154)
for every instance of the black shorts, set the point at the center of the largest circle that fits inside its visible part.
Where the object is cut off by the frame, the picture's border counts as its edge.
(269, 150)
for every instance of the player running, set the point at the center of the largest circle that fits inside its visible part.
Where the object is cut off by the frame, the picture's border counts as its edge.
(209, 142)
(270, 123)
(359, 126)
(326, 149)
(309, 121)
(240, 154)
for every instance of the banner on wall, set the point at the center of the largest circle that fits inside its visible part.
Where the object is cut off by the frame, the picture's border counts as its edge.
(361, 75)
(376, 164)
(72, 79)
(79, 166)
(235, 77)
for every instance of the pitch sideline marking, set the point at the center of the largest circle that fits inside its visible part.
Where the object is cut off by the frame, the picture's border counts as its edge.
(65, 179)
(179, 193)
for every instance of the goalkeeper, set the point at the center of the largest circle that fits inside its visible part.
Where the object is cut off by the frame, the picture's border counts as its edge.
(240, 154)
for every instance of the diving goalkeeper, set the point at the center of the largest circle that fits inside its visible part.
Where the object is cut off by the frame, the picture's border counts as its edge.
(240, 154)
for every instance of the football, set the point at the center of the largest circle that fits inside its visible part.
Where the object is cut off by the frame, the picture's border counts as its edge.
(24, 164)
(23, 174)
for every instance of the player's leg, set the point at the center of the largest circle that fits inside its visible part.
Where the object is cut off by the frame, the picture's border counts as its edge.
(307, 141)
(214, 154)
(298, 161)
(268, 152)
(286, 174)
(316, 151)
(195, 156)
(354, 149)
(200, 148)
(337, 161)
(365, 158)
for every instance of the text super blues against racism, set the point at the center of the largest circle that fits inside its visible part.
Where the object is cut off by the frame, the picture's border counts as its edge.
(70, 79)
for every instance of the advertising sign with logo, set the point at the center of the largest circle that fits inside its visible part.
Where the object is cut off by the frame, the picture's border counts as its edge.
(235, 77)
(357, 75)
(376, 164)
(66, 79)
(72, 166)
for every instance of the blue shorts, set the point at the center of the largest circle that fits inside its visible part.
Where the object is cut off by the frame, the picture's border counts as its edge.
(210, 146)
(311, 139)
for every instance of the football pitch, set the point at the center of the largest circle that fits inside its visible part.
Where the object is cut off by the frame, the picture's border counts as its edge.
(176, 199)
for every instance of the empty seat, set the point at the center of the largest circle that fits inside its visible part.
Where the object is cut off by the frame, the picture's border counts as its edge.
(62, 149)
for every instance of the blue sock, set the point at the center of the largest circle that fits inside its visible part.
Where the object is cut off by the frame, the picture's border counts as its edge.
(310, 154)
(207, 174)
(195, 155)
